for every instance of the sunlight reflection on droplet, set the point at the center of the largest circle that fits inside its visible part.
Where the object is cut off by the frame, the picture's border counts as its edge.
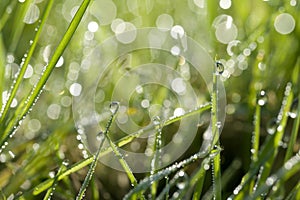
(93, 26)
(178, 112)
(177, 32)
(175, 50)
(164, 22)
(75, 89)
(284, 23)
(60, 62)
(29, 71)
(225, 4)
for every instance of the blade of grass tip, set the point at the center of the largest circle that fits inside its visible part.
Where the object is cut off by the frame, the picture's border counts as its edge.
(125, 140)
(39, 86)
(146, 182)
(291, 167)
(24, 66)
(50, 191)
(18, 24)
(96, 157)
(156, 149)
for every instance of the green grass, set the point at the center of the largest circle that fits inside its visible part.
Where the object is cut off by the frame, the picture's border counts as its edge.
(241, 160)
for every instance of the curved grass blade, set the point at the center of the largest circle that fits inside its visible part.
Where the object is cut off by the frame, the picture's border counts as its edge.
(24, 66)
(39, 86)
(125, 140)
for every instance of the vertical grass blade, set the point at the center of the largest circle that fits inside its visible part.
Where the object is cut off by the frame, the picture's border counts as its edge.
(294, 134)
(39, 86)
(216, 165)
(156, 154)
(7, 14)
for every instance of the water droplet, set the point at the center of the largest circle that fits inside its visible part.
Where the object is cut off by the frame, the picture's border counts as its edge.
(219, 67)
(262, 98)
(272, 126)
(65, 163)
(218, 124)
(114, 106)
(156, 120)
(293, 110)
(12, 155)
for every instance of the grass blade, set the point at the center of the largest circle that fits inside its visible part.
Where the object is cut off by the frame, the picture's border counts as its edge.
(145, 183)
(39, 86)
(24, 66)
(49, 193)
(291, 167)
(93, 165)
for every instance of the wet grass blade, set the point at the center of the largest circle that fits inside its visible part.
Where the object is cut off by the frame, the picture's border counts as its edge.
(268, 151)
(294, 134)
(155, 162)
(291, 167)
(24, 66)
(32, 98)
(146, 183)
(2, 69)
(7, 14)
(50, 191)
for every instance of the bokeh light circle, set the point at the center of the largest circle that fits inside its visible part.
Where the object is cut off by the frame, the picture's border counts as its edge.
(284, 23)
(134, 79)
